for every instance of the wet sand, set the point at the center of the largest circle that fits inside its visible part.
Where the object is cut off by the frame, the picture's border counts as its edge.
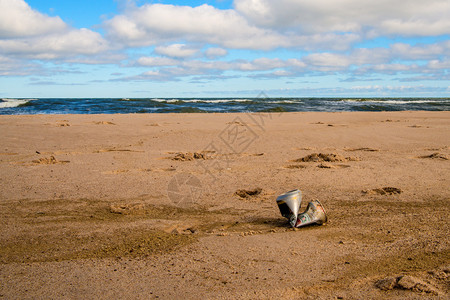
(183, 206)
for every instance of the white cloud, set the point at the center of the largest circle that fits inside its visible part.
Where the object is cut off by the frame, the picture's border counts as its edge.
(258, 64)
(17, 19)
(295, 63)
(409, 17)
(262, 64)
(400, 57)
(13, 67)
(153, 24)
(439, 64)
(417, 27)
(390, 88)
(97, 59)
(27, 33)
(126, 29)
(327, 41)
(210, 66)
(274, 74)
(406, 51)
(394, 68)
(215, 52)
(157, 61)
(358, 64)
(73, 42)
(328, 61)
(355, 91)
(176, 50)
(171, 69)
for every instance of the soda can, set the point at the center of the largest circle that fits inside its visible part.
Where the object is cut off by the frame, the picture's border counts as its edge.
(314, 214)
(289, 205)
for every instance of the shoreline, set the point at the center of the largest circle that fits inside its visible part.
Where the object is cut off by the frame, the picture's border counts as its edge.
(228, 113)
(92, 205)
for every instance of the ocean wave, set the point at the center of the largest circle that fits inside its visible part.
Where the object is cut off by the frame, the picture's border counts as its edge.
(182, 110)
(409, 101)
(274, 109)
(181, 100)
(217, 100)
(10, 102)
(374, 107)
(167, 101)
(211, 105)
(225, 101)
(285, 101)
(395, 101)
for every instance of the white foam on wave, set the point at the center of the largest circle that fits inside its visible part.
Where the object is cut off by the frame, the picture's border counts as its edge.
(216, 100)
(225, 100)
(10, 102)
(392, 101)
(166, 100)
(285, 101)
(408, 101)
(200, 100)
(158, 100)
(173, 101)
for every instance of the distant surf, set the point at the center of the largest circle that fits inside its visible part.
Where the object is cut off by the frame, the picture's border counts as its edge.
(11, 103)
(10, 106)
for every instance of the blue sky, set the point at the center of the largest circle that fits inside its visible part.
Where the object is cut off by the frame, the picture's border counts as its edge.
(224, 48)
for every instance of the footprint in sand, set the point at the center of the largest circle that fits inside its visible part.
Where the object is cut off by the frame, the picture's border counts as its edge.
(104, 123)
(407, 283)
(389, 121)
(363, 149)
(237, 123)
(189, 156)
(127, 209)
(295, 167)
(304, 148)
(324, 157)
(170, 169)
(115, 172)
(257, 154)
(383, 191)
(435, 155)
(438, 149)
(8, 153)
(116, 150)
(248, 193)
(63, 123)
(49, 161)
(330, 166)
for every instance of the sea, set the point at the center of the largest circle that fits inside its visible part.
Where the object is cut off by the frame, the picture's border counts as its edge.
(10, 106)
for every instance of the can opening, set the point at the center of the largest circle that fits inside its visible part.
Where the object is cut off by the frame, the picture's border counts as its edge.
(285, 210)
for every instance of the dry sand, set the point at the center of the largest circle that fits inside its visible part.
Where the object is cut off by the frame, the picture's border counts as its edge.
(183, 206)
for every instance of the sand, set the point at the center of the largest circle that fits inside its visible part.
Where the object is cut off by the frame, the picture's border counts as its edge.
(150, 206)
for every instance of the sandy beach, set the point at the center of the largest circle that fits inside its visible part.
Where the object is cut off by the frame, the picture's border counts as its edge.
(174, 206)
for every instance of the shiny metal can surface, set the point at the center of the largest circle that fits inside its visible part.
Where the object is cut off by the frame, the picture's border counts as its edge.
(313, 214)
(289, 205)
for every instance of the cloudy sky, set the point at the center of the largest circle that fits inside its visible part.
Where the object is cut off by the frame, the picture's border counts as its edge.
(224, 48)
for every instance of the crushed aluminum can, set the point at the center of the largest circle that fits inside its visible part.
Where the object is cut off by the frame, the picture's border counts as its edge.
(314, 214)
(289, 205)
